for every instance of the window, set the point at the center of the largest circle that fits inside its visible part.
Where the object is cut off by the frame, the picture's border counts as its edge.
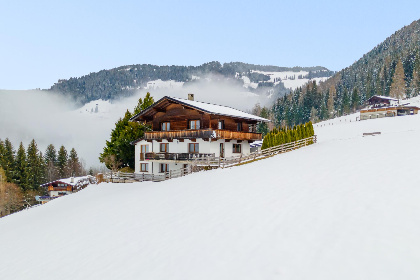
(164, 147)
(221, 125)
(195, 124)
(144, 149)
(163, 167)
(236, 148)
(239, 126)
(144, 167)
(165, 126)
(193, 148)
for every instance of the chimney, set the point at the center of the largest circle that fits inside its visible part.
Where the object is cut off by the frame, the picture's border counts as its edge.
(191, 96)
(72, 180)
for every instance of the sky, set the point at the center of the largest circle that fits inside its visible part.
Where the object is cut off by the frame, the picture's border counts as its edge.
(44, 41)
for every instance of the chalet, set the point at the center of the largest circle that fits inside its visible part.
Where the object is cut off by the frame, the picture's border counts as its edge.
(378, 101)
(62, 187)
(384, 106)
(187, 130)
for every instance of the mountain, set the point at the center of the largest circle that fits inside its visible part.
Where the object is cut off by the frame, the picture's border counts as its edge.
(392, 68)
(347, 212)
(374, 72)
(123, 81)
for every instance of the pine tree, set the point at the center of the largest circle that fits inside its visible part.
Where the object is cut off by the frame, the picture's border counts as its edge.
(50, 154)
(122, 135)
(330, 104)
(21, 176)
(143, 104)
(398, 83)
(355, 99)
(1, 152)
(414, 87)
(8, 160)
(62, 159)
(34, 166)
(42, 172)
(50, 159)
(314, 115)
(345, 106)
(73, 164)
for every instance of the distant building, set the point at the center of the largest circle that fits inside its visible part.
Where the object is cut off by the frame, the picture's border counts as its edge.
(384, 106)
(62, 187)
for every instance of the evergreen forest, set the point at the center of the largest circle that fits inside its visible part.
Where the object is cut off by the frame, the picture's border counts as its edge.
(391, 69)
(22, 171)
(125, 80)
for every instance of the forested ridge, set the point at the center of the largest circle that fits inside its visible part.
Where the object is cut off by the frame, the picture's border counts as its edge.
(123, 81)
(392, 68)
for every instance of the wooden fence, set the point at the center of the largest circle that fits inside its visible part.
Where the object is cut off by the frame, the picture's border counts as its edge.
(122, 177)
(210, 161)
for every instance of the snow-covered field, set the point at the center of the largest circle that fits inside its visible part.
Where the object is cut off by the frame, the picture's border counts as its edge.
(344, 208)
(290, 79)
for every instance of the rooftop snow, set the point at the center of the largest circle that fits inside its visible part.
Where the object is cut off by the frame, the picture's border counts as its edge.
(219, 110)
(68, 180)
(384, 97)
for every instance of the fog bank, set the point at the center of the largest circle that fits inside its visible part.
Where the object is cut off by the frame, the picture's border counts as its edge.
(53, 119)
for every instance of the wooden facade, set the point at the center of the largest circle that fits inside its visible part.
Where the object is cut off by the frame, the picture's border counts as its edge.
(179, 117)
(186, 131)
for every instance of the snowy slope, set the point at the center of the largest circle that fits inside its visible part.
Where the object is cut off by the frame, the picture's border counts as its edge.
(345, 208)
(290, 79)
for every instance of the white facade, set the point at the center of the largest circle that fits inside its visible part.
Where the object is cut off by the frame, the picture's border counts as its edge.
(178, 147)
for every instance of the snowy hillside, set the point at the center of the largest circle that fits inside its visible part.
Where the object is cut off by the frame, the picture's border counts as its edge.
(344, 208)
(291, 80)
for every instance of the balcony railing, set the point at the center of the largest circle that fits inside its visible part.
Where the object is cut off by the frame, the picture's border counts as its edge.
(202, 133)
(177, 156)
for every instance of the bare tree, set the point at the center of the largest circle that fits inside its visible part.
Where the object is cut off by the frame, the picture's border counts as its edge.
(113, 163)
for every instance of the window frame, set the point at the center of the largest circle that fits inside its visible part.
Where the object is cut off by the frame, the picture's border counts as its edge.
(235, 149)
(146, 169)
(221, 124)
(165, 126)
(166, 149)
(196, 148)
(238, 126)
(146, 149)
(194, 124)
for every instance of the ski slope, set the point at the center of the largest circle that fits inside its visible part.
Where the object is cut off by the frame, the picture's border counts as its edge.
(344, 208)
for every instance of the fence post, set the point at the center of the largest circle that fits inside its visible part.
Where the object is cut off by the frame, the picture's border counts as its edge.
(170, 174)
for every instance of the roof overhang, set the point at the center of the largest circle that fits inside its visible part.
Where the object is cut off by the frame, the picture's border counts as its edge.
(165, 101)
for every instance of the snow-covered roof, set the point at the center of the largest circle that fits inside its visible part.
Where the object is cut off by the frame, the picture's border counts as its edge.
(219, 109)
(384, 97)
(68, 180)
(208, 108)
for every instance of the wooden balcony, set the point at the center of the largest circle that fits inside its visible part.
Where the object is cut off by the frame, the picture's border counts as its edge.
(202, 133)
(177, 156)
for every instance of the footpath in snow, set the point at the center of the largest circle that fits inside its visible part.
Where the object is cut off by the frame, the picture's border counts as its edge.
(344, 208)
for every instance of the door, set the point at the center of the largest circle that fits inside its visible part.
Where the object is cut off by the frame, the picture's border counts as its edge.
(222, 150)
